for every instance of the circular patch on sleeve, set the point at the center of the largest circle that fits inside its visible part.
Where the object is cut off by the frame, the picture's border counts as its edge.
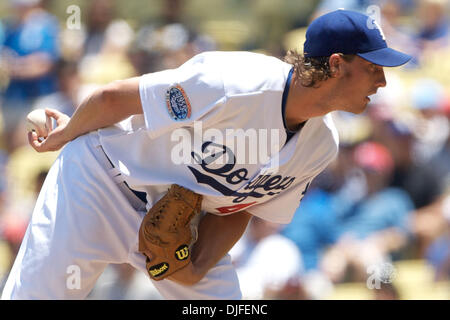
(178, 103)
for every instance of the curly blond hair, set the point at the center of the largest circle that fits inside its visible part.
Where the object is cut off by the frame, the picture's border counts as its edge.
(311, 71)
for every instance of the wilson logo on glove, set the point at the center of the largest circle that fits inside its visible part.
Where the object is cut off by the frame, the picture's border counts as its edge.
(159, 269)
(182, 253)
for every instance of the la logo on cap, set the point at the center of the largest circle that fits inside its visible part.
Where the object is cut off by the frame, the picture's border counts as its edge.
(377, 26)
(374, 13)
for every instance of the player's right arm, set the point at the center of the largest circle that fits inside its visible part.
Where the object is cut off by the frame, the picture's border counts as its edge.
(106, 106)
(216, 236)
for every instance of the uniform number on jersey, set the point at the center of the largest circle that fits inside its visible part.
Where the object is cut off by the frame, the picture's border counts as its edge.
(234, 208)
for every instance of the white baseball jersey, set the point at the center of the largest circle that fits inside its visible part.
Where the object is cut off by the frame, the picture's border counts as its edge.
(86, 217)
(215, 126)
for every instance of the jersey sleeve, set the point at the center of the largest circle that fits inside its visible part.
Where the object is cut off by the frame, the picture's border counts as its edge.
(177, 97)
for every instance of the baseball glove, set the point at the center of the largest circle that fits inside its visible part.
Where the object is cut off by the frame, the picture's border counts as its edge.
(167, 232)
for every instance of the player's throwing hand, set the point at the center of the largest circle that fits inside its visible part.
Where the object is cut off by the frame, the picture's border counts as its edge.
(56, 138)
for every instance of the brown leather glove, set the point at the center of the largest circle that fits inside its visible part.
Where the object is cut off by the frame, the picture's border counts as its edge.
(166, 232)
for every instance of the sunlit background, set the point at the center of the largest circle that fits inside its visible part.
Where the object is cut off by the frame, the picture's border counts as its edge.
(374, 225)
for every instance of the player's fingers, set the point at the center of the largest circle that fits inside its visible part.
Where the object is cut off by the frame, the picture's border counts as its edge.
(33, 141)
(57, 115)
(50, 124)
(30, 138)
(52, 113)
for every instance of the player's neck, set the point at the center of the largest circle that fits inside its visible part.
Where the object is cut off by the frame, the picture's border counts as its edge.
(304, 103)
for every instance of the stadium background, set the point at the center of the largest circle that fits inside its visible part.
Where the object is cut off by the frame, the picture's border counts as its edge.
(375, 225)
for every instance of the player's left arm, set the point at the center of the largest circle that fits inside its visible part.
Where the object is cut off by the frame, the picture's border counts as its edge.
(216, 236)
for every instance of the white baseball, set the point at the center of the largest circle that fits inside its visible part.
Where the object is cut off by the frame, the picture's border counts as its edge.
(39, 122)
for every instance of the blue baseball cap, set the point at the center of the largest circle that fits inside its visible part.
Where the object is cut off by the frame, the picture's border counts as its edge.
(350, 32)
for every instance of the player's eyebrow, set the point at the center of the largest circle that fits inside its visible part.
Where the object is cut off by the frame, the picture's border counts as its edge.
(373, 66)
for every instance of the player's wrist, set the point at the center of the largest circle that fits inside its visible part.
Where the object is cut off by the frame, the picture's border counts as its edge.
(68, 132)
(199, 267)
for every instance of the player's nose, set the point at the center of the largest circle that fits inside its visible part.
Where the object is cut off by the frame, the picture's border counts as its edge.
(381, 79)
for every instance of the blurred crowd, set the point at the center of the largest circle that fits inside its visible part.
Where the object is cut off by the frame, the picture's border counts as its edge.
(385, 199)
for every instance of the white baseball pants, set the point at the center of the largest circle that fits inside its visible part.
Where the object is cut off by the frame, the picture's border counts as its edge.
(84, 220)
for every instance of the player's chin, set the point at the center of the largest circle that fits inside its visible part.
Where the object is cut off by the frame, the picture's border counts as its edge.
(358, 108)
(363, 105)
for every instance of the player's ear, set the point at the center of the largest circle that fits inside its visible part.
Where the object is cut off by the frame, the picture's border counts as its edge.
(336, 64)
